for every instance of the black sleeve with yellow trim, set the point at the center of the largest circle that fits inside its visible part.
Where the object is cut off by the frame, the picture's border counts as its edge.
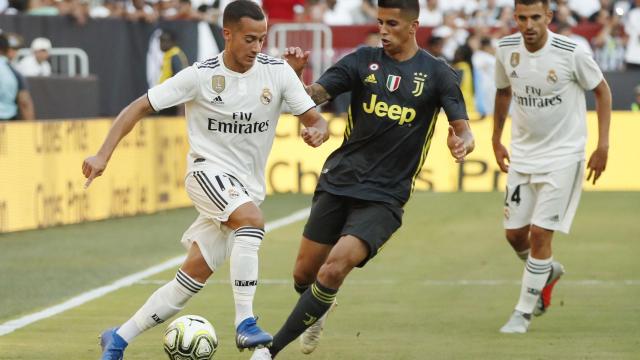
(451, 98)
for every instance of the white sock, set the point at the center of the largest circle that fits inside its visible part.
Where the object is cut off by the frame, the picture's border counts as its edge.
(161, 305)
(536, 273)
(244, 269)
(524, 254)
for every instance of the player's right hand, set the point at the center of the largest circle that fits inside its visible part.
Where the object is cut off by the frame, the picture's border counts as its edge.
(296, 58)
(502, 156)
(92, 167)
(313, 136)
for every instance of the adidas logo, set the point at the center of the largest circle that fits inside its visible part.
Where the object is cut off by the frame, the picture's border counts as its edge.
(555, 218)
(371, 79)
(217, 100)
(514, 75)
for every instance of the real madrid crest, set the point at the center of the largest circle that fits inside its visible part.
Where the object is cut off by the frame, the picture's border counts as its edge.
(266, 96)
(515, 59)
(552, 78)
(218, 83)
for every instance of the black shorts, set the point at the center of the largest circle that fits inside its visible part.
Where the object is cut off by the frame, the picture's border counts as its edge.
(333, 216)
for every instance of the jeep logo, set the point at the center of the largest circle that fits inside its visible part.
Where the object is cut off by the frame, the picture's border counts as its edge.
(397, 113)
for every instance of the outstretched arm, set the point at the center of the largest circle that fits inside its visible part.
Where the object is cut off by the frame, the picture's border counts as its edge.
(94, 166)
(501, 109)
(298, 59)
(598, 160)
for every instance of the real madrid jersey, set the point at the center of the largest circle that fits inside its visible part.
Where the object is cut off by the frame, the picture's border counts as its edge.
(392, 117)
(232, 117)
(549, 110)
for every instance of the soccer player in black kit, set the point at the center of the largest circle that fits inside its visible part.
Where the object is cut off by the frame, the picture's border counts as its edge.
(397, 92)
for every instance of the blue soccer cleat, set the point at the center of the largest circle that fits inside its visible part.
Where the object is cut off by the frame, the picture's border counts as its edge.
(250, 336)
(112, 345)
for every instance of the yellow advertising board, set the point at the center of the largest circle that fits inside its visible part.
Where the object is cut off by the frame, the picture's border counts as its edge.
(294, 167)
(41, 183)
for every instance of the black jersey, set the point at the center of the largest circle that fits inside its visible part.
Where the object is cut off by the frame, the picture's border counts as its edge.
(393, 111)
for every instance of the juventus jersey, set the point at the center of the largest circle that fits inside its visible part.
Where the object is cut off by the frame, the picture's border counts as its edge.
(549, 111)
(392, 117)
(232, 117)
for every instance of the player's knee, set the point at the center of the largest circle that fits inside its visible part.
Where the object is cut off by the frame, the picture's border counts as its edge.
(517, 237)
(540, 235)
(249, 216)
(332, 274)
(302, 277)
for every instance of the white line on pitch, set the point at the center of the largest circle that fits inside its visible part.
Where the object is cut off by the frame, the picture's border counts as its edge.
(85, 297)
(478, 282)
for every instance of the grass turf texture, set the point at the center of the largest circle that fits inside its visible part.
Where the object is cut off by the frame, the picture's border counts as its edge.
(408, 303)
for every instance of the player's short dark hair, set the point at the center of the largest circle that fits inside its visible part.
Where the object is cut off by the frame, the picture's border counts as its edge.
(238, 9)
(4, 43)
(409, 7)
(545, 3)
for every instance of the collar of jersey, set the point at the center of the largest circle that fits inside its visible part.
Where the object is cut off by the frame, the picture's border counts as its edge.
(233, 73)
(543, 49)
(415, 56)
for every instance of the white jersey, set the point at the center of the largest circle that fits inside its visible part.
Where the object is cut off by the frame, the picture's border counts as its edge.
(549, 116)
(232, 117)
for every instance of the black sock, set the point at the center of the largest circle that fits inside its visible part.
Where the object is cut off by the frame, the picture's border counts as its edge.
(313, 303)
(300, 289)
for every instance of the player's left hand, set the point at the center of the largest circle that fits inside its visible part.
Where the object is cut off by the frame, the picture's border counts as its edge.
(313, 136)
(456, 145)
(296, 58)
(597, 163)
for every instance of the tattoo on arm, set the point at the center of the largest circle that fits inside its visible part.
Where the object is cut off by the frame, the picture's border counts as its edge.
(318, 93)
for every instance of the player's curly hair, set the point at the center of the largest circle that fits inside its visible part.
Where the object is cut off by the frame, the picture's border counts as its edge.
(409, 7)
(238, 9)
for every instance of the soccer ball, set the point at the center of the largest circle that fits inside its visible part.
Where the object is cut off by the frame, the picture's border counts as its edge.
(190, 337)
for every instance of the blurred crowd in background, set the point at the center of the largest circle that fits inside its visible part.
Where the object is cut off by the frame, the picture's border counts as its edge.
(463, 32)
(457, 22)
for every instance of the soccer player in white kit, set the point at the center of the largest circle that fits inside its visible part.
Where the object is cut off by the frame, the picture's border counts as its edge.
(545, 75)
(233, 103)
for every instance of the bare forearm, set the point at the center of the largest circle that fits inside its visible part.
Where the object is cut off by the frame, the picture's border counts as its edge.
(501, 109)
(318, 93)
(603, 109)
(123, 124)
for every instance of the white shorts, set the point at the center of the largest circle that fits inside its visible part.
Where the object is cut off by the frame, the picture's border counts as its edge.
(547, 200)
(215, 195)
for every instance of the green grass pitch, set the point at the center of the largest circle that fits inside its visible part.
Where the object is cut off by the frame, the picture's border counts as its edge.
(440, 289)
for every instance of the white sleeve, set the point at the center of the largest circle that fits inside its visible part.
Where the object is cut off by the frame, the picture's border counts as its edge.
(502, 80)
(178, 89)
(293, 92)
(587, 72)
